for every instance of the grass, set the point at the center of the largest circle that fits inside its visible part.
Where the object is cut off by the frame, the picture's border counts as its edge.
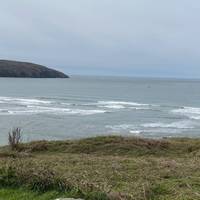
(104, 168)
(23, 194)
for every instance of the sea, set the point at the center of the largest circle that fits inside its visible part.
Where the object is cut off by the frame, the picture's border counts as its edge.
(84, 106)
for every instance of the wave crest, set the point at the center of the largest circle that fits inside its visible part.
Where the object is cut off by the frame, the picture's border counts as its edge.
(190, 112)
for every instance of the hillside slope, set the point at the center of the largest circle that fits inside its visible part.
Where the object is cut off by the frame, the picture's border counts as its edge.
(102, 168)
(27, 70)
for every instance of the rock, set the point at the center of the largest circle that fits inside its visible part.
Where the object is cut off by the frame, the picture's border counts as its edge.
(68, 199)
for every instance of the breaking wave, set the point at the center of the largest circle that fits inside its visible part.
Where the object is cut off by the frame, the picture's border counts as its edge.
(190, 112)
(175, 125)
(22, 101)
(130, 128)
(22, 106)
(122, 105)
(49, 110)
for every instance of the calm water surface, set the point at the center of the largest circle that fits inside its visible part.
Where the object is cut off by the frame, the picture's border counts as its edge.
(88, 106)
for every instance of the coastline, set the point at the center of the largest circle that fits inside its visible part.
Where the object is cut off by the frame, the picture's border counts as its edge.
(110, 167)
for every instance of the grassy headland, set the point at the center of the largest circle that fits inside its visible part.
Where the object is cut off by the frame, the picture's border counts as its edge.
(103, 168)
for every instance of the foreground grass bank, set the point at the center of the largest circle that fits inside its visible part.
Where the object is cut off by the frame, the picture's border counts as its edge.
(104, 168)
(24, 194)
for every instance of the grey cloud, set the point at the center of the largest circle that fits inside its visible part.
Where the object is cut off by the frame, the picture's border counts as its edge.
(146, 37)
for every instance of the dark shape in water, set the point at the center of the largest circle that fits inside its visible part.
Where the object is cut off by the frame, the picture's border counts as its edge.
(27, 70)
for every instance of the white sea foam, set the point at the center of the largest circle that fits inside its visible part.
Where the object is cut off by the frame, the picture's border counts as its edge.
(113, 106)
(22, 106)
(22, 101)
(153, 128)
(122, 105)
(49, 110)
(191, 112)
(126, 128)
(125, 103)
(121, 127)
(86, 112)
(135, 132)
(174, 125)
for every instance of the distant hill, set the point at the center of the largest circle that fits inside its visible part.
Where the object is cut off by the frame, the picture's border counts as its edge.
(27, 70)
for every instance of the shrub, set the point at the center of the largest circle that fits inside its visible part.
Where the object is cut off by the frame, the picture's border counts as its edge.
(14, 138)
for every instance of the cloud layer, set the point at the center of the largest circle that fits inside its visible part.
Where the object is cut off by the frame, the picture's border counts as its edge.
(114, 37)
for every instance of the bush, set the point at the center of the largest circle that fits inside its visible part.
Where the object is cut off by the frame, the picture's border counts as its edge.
(14, 138)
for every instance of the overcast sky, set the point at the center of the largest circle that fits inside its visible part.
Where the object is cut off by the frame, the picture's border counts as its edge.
(104, 37)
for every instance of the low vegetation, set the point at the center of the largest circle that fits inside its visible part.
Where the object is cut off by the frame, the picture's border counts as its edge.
(14, 138)
(103, 168)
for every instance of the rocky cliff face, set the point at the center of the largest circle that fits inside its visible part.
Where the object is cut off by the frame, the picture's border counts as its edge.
(27, 70)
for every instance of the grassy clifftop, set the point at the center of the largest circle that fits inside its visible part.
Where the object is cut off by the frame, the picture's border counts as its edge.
(106, 168)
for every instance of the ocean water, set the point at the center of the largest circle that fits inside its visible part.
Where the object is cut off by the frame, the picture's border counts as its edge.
(79, 107)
